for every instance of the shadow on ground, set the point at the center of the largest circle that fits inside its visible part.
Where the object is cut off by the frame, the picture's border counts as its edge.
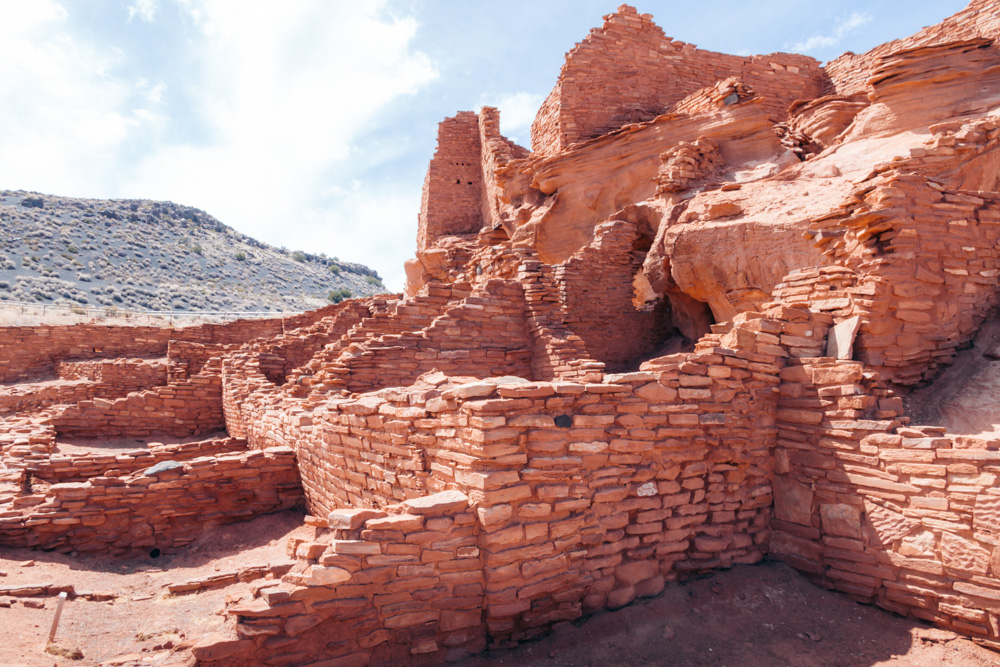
(750, 616)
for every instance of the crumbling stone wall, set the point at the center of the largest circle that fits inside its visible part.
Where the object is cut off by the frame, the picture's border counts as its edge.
(33, 352)
(422, 557)
(452, 201)
(483, 335)
(185, 359)
(497, 151)
(60, 468)
(130, 515)
(81, 380)
(191, 407)
(628, 71)
(596, 293)
(929, 254)
(904, 517)
(587, 494)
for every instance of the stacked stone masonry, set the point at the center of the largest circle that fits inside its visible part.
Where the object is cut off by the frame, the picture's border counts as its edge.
(166, 511)
(628, 71)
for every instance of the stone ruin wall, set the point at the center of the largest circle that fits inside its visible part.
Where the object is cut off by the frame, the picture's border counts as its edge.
(79, 468)
(181, 409)
(497, 151)
(657, 474)
(452, 200)
(931, 270)
(81, 380)
(905, 518)
(30, 352)
(132, 514)
(596, 295)
(850, 72)
(628, 71)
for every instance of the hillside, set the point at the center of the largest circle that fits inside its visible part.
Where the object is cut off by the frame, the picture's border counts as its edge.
(146, 255)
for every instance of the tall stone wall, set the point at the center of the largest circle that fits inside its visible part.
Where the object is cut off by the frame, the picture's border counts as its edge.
(497, 152)
(597, 295)
(904, 517)
(452, 201)
(849, 74)
(628, 71)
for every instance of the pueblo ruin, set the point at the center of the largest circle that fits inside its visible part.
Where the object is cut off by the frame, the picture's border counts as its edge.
(724, 308)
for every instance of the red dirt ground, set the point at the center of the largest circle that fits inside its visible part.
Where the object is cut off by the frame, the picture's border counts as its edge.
(142, 615)
(749, 616)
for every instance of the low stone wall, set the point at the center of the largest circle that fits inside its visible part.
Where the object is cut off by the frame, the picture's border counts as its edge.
(58, 468)
(400, 586)
(82, 380)
(32, 352)
(126, 374)
(168, 510)
(192, 407)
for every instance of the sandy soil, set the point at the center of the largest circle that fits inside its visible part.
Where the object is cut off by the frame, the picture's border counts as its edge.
(143, 621)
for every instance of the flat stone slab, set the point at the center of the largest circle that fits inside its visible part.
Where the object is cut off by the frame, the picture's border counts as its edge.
(162, 466)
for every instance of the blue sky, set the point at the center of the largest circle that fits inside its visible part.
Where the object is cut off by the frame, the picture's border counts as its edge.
(309, 123)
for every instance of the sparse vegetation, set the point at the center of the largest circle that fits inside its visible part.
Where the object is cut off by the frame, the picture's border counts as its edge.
(338, 295)
(157, 256)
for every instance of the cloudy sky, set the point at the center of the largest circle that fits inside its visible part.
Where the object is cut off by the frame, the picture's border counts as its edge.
(309, 123)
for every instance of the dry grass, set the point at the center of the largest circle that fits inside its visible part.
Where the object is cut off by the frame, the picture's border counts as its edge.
(70, 653)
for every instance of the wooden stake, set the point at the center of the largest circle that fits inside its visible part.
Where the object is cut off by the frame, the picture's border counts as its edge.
(55, 621)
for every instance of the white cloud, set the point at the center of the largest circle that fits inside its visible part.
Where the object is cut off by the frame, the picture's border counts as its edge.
(63, 115)
(517, 112)
(816, 42)
(278, 96)
(144, 9)
(285, 94)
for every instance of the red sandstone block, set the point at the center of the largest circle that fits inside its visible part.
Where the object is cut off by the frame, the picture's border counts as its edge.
(399, 522)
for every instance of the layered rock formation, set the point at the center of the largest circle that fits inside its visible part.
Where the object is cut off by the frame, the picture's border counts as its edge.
(674, 336)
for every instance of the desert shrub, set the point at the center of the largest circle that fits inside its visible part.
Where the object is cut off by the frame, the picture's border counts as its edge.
(334, 269)
(338, 295)
(372, 280)
(299, 256)
(241, 257)
(196, 249)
